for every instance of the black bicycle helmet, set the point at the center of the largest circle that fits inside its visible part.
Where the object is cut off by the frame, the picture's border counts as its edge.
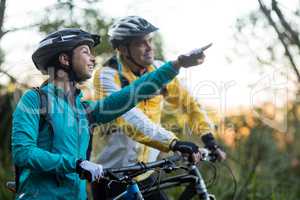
(128, 28)
(61, 41)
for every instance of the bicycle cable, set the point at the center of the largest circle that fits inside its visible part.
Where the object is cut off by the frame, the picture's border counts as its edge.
(214, 178)
(148, 187)
(233, 178)
(159, 179)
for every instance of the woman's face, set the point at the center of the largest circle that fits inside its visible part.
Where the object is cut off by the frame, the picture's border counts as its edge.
(83, 62)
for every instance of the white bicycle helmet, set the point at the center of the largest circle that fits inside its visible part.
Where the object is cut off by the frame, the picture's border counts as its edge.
(128, 28)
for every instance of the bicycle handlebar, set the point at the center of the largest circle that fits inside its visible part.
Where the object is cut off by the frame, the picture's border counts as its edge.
(144, 166)
(140, 167)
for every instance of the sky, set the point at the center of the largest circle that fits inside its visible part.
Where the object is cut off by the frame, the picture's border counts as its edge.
(184, 25)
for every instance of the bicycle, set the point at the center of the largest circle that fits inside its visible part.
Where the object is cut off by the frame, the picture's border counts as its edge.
(193, 177)
(133, 192)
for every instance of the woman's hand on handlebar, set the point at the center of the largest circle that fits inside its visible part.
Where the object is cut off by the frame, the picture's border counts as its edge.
(89, 170)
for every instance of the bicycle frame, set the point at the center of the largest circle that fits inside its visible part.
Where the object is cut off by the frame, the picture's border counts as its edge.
(132, 192)
(194, 177)
(197, 185)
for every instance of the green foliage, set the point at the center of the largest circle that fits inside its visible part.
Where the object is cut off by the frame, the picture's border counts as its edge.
(265, 161)
(6, 167)
(66, 14)
(158, 44)
(87, 16)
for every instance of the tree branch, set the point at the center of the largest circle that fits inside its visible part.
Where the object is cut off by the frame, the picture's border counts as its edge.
(267, 13)
(2, 33)
(13, 79)
(2, 12)
(293, 34)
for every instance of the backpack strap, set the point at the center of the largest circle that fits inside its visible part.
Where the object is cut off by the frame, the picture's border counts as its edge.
(113, 62)
(44, 118)
(44, 113)
(91, 128)
(124, 81)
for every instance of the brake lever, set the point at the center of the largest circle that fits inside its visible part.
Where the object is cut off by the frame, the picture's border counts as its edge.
(208, 155)
(170, 168)
(111, 175)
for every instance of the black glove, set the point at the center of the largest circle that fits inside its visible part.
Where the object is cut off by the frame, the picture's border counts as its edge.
(185, 147)
(216, 151)
(89, 170)
(209, 142)
(192, 58)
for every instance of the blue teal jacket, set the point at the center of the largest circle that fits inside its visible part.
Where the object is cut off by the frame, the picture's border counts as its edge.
(48, 161)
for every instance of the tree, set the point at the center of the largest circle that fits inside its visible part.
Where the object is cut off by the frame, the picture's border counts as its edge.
(274, 34)
(268, 36)
(85, 14)
(6, 110)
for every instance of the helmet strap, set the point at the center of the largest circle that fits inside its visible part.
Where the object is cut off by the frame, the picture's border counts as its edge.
(72, 75)
(73, 78)
(129, 57)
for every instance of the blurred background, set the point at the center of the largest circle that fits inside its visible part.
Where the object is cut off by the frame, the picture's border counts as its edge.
(249, 83)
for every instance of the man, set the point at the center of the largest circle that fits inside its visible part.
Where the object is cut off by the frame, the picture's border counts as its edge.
(51, 156)
(137, 135)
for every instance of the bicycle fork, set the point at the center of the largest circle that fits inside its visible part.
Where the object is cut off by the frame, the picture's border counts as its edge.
(200, 186)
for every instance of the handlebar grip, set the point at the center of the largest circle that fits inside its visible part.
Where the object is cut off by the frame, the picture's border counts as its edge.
(209, 141)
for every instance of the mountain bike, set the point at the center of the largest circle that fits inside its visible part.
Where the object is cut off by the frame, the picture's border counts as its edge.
(192, 177)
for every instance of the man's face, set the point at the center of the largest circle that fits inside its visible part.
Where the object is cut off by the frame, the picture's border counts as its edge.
(83, 62)
(141, 50)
